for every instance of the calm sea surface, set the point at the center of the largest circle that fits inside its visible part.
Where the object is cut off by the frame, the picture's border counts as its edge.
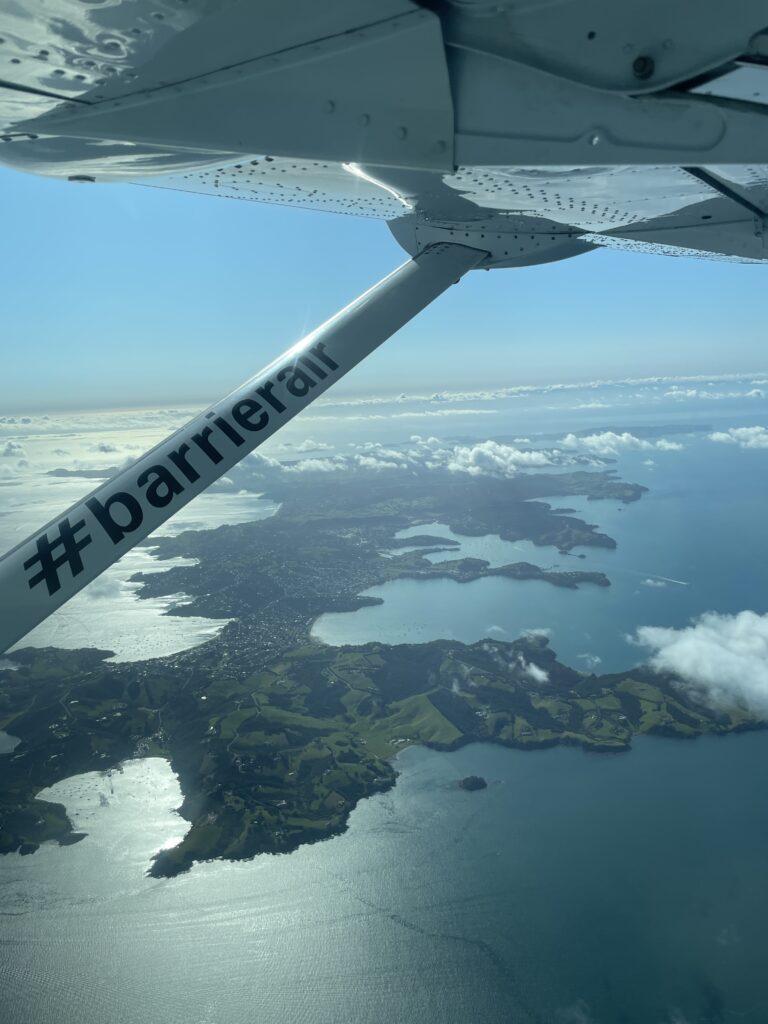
(576, 888)
(696, 542)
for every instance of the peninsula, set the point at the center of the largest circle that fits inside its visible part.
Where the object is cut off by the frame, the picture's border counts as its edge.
(274, 736)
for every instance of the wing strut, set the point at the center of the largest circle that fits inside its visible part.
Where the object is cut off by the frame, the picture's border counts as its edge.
(52, 565)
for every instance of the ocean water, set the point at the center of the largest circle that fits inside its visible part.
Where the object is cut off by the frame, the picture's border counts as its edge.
(574, 889)
(108, 613)
(694, 543)
(7, 743)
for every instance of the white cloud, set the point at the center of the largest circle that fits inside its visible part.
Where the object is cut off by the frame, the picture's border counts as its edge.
(533, 672)
(496, 631)
(12, 449)
(688, 394)
(744, 437)
(721, 658)
(380, 451)
(368, 462)
(650, 582)
(487, 458)
(539, 631)
(259, 462)
(428, 442)
(313, 446)
(608, 443)
(683, 393)
(530, 390)
(493, 459)
(416, 415)
(590, 660)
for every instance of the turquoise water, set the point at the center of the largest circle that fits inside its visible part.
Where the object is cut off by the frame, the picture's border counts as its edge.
(576, 889)
(696, 542)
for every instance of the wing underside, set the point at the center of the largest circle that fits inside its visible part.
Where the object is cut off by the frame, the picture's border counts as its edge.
(509, 124)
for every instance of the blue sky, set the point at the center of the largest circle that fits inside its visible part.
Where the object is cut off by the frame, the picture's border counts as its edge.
(120, 295)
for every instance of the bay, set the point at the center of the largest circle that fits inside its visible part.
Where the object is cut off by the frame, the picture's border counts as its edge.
(690, 545)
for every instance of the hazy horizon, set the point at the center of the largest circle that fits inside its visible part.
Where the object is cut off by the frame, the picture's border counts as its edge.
(122, 296)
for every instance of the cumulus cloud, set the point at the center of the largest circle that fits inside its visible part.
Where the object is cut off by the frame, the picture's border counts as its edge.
(422, 454)
(493, 459)
(533, 672)
(744, 437)
(610, 444)
(317, 466)
(723, 659)
(257, 461)
(12, 449)
(104, 447)
(313, 446)
(369, 462)
(650, 582)
(687, 394)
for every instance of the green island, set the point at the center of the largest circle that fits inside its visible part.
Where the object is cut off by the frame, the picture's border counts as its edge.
(274, 736)
(472, 783)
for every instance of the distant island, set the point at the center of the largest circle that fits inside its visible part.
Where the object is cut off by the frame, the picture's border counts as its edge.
(472, 783)
(274, 736)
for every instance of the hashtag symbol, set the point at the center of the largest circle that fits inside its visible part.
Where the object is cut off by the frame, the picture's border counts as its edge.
(70, 555)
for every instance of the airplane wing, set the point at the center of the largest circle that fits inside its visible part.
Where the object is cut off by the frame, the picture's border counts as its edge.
(485, 133)
(639, 125)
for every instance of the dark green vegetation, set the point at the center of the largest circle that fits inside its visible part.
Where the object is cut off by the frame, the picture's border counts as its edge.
(276, 737)
(280, 755)
(472, 783)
